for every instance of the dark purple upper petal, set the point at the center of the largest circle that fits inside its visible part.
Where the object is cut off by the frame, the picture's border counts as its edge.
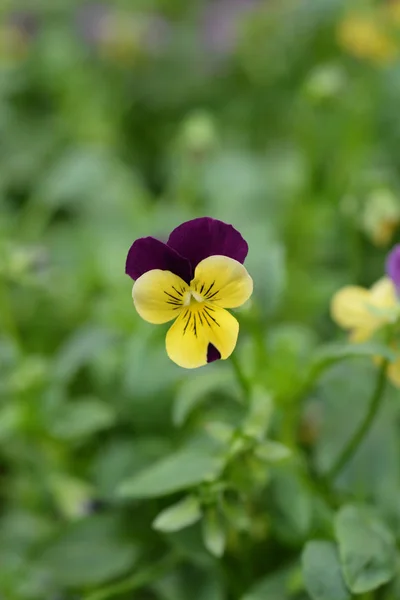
(393, 266)
(200, 238)
(148, 253)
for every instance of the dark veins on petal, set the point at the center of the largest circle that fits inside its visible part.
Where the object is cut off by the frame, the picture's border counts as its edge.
(212, 353)
(200, 238)
(148, 253)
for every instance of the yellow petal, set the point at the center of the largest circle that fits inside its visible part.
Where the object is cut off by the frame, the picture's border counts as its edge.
(349, 308)
(158, 296)
(383, 294)
(196, 327)
(394, 373)
(358, 335)
(222, 281)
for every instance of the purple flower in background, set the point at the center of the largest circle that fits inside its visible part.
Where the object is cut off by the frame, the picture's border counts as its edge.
(221, 23)
(91, 20)
(120, 33)
(393, 266)
(192, 280)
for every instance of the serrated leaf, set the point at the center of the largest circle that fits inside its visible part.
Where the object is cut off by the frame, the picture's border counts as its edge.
(322, 573)
(180, 515)
(214, 535)
(367, 549)
(179, 471)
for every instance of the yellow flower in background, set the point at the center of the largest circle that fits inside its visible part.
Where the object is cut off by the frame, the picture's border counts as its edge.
(362, 312)
(368, 36)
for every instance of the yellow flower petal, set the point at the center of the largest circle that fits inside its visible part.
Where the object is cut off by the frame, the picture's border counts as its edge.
(196, 327)
(158, 296)
(222, 281)
(363, 311)
(349, 308)
(383, 294)
(394, 373)
(365, 36)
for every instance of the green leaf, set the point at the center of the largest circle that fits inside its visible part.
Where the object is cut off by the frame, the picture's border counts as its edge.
(367, 549)
(82, 418)
(179, 471)
(80, 349)
(275, 586)
(180, 515)
(90, 552)
(322, 573)
(292, 506)
(272, 451)
(196, 390)
(333, 353)
(259, 416)
(214, 535)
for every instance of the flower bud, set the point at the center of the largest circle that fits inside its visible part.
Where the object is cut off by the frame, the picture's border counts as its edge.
(381, 216)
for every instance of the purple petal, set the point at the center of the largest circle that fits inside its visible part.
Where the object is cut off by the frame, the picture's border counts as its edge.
(222, 22)
(393, 266)
(90, 20)
(200, 238)
(148, 253)
(212, 353)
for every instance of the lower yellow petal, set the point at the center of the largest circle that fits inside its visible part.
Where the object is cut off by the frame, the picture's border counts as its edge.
(188, 338)
(349, 308)
(222, 281)
(359, 335)
(158, 296)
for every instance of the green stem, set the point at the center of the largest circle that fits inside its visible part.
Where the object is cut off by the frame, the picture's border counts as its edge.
(240, 376)
(7, 314)
(138, 580)
(359, 435)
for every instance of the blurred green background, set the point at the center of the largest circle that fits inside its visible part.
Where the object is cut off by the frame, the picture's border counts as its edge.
(122, 120)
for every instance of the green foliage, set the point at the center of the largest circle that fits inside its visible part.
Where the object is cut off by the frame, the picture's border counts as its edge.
(367, 549)
(322, 572)
(90, 552)
(123, 476)
(179, 471)
(180, 515)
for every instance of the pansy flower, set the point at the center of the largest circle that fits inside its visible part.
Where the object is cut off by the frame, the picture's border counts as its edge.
(363, 312)
(192, 279)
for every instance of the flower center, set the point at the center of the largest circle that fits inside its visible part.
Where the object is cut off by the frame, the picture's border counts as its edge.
(192, 297)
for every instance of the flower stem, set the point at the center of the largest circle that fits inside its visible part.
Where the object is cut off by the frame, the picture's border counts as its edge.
(240, 376)
(8, 321)
(359, 435)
